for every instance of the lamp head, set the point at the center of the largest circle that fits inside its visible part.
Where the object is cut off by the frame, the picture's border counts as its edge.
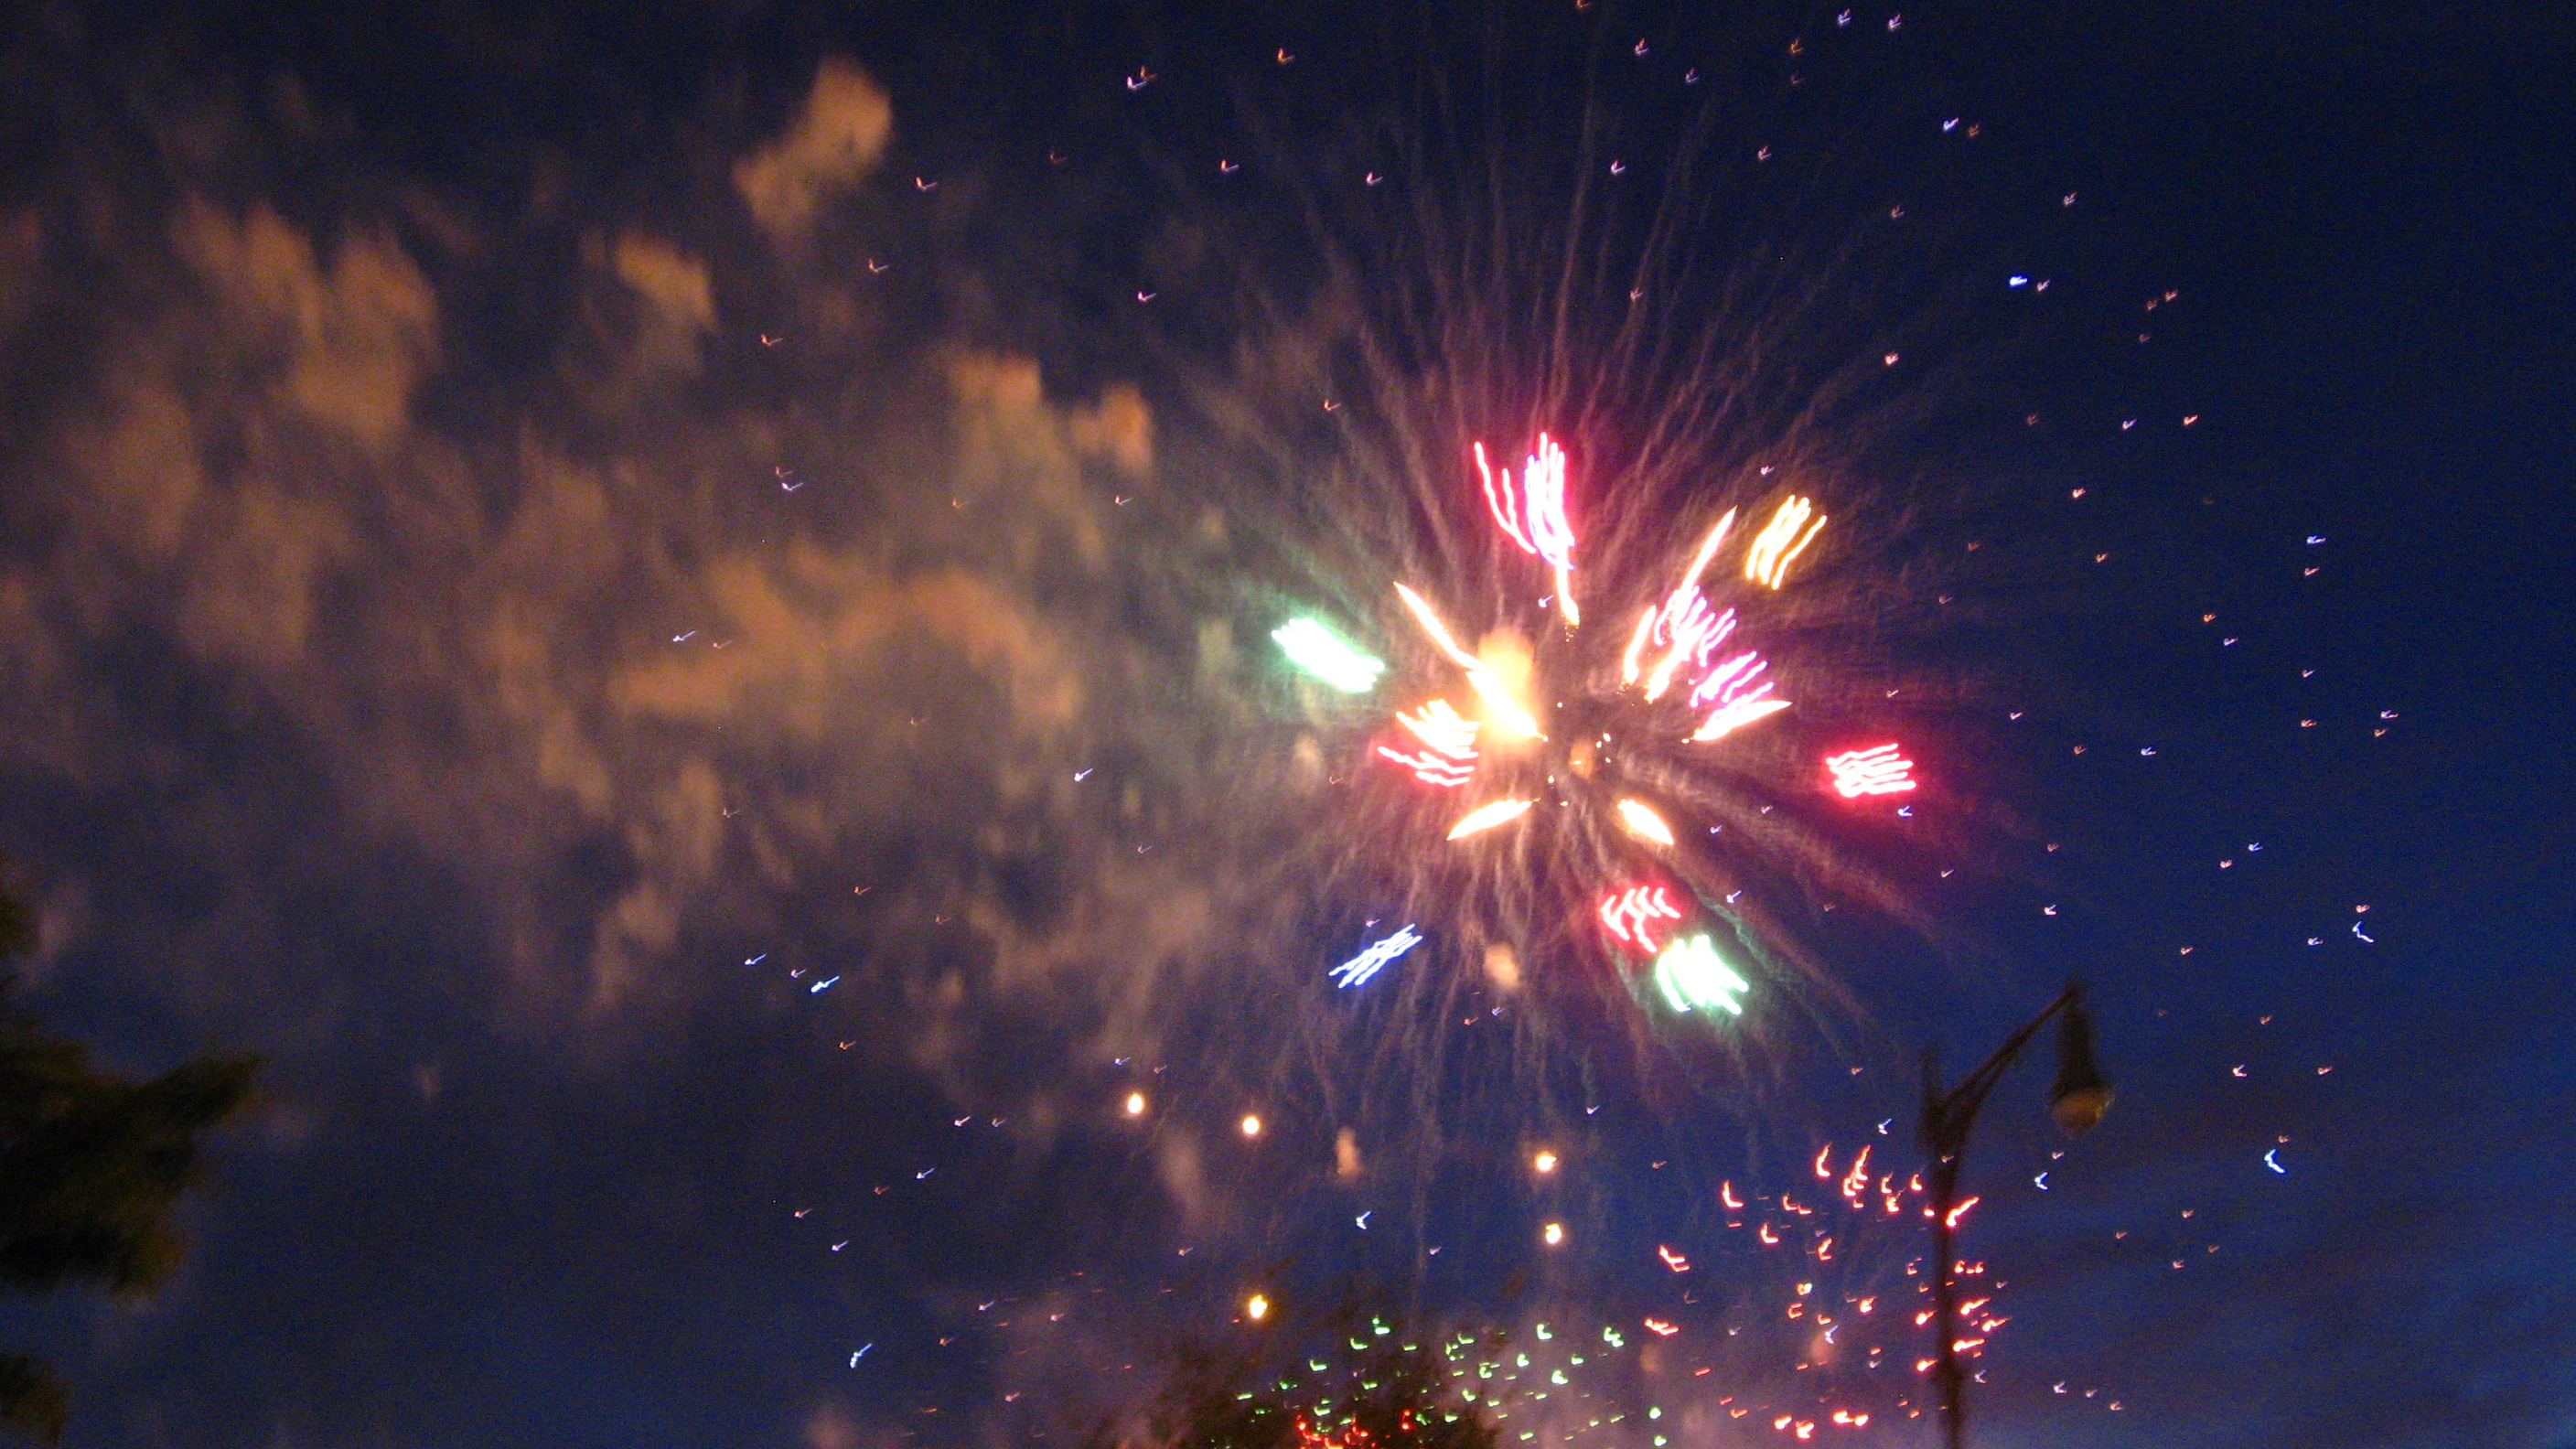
(2081, 1093)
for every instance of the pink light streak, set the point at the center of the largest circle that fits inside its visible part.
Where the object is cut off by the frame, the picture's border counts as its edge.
(1533, 515)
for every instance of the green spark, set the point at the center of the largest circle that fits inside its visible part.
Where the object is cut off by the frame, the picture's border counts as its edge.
(1327, 656)
(1692, 976)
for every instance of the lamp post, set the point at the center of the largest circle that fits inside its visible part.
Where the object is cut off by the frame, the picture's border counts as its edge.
(2078, 1099)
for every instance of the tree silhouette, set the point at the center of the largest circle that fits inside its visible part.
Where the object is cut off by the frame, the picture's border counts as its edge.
(92, 1165)
(1351, 1382)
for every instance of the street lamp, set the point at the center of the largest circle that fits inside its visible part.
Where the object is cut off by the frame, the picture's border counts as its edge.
(2077, 1099)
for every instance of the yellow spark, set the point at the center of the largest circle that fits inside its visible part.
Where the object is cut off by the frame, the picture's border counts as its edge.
(1501, 709)
(1645, 822)
(1707, 551)
(1439, 632)
(1662, 678)
(1489, 816)
(1543, 1163)
(1554, 1233)
(1251, 1124)
(1135, 1104)
(1256, 1307)
(1637, 645)
(1767, 560)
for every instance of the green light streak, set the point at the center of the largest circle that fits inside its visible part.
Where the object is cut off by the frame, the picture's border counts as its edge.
(1322, 653)
(1693, 977)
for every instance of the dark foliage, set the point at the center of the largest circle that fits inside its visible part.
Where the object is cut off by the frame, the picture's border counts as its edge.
(92, 1167)
(1378, 1388)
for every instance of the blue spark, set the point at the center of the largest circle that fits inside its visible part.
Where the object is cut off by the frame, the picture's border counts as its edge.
(1357, 970)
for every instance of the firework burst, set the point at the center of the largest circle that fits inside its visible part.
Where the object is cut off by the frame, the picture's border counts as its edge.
(1560, 769)
(1594, 512)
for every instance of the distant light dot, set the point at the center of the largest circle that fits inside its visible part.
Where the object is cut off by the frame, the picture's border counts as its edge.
(1544, 1162)
(1251, 1125)
(1256, 1308)
(1553, 1233)
(1135, 1104)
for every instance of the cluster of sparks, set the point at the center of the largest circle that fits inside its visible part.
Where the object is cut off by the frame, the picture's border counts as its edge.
(1841, 1310)
(1684, 648)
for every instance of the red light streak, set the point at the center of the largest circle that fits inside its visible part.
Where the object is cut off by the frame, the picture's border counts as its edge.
(1631, 914)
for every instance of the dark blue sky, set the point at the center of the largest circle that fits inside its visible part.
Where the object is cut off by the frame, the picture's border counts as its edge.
(386, 392)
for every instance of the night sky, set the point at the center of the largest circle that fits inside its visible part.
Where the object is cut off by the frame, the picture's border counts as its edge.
(667, 609)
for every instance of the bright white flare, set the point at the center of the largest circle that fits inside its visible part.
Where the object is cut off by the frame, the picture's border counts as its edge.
(1874, 771)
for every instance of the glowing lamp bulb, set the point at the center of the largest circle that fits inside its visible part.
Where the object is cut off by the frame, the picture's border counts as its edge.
(1135, 1104)
(1543, 1163)
(1256, 1308)
(1251, 1125)
(1552, 1234)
